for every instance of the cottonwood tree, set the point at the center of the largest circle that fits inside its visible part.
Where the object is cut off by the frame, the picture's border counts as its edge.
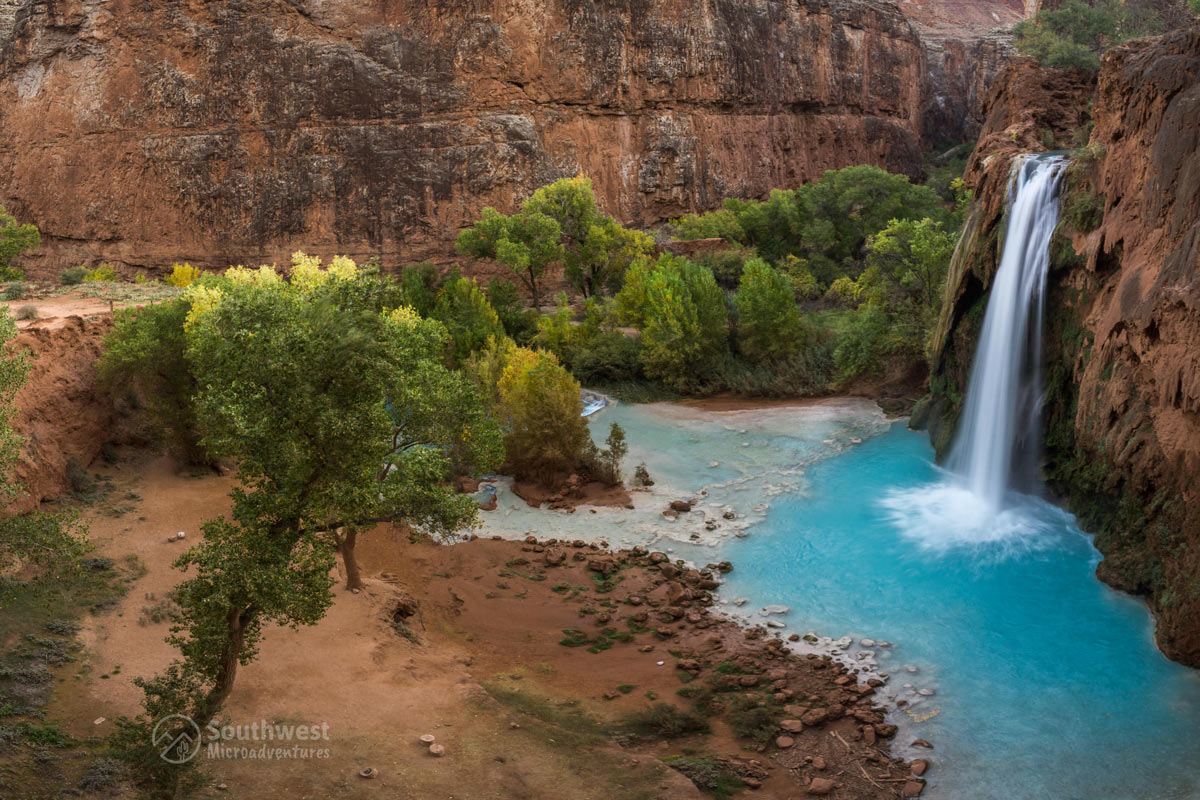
(339, 418)
(769, 323)
(681, 312)
(527, 243)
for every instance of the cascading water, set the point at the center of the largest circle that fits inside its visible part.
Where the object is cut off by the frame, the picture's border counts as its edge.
(998, 439)
(1000, 429)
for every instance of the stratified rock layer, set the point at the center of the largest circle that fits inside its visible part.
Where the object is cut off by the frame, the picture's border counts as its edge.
(1123, 317)
(142, 133)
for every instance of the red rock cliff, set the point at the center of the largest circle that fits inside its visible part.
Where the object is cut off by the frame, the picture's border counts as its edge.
(141, 133)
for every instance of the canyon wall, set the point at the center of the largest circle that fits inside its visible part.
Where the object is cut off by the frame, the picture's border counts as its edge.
(142, 133)
(1122, 408)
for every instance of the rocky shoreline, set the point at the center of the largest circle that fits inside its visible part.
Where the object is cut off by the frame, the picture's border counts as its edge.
(828, 734)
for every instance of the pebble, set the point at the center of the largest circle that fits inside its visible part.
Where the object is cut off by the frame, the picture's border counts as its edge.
(774, 610)
(740, 601)
(926, 692)
(784, 742)
(428, 738)
(911, 668)
(867, 642)
(437, 750)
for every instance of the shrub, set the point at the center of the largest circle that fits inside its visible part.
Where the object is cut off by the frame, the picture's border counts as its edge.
(14, 240)
(101, 274)
(27, 313)
(726, 265)
(751, 719)
(1074, 35)
(769, 324)
(520, 323)
(14, 291)
(468, 316)
(72, 275)
(1084, 209)
(182, 275)
(862, 341)
(722, 224)
(418, 287)
(663, 721)
(608, 357)
(709, 775)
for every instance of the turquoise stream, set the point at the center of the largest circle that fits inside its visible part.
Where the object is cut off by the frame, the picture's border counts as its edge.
(1048, 684)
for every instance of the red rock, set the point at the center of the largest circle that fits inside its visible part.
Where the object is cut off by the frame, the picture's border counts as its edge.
(913, 788)
(821, 786)
(919, 766)
(791, 725)
(784, 742)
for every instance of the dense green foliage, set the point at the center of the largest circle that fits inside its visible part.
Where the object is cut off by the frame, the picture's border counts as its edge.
(769, 324)
(15, 239)
(749, 316)
(538, 404)
(144, 354)
(559, 222)
(681, 313)
(468, 316)
(1074, 35)
(825, 224)
(340, 413)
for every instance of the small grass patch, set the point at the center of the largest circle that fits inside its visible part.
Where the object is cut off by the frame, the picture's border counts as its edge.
(711, 776)
(662, 721)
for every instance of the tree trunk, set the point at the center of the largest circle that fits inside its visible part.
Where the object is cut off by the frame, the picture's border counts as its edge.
(346, 547)
(230, 655)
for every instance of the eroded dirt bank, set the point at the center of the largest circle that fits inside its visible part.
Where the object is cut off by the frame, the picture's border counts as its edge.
(477, 658)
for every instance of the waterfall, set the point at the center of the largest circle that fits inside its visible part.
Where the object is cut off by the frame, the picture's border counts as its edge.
(999, 433)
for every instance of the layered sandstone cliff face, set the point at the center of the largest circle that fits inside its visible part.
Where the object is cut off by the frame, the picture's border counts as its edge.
(142, 133)
(1123, 323)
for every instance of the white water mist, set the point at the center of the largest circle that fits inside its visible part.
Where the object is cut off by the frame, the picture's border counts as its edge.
(1000, 427)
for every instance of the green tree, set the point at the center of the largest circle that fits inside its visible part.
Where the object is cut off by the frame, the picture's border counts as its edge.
(419, 287)
(770, 327)
(539, 407)
(606, 463)
(145, 353)
(906, 272)
(720, 224)
(15, 239)
(527, 243)
(520, 323)
(338, 418)
(605, 255)
(1073, 35)
(468, 316)
(681, 312)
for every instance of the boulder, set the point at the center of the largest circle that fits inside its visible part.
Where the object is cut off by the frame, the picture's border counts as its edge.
(820, 786)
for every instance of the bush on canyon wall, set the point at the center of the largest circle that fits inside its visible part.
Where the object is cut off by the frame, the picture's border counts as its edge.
(1074, 35)
(15, 239)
